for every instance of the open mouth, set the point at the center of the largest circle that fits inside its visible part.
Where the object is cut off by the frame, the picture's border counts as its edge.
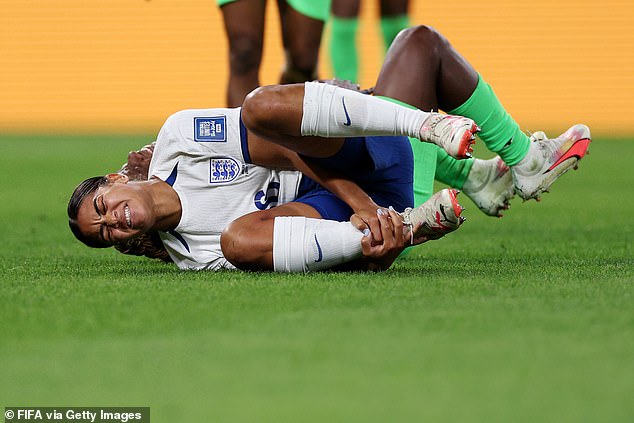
(128, 216)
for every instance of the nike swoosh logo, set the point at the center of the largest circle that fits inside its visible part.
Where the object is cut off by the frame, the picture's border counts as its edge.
(348, 121)
(321, 256)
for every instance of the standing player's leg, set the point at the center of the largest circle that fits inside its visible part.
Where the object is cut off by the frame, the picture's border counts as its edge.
(344, 23)
(303, 24)
(394, 18)
(422, 66)
(244, 25)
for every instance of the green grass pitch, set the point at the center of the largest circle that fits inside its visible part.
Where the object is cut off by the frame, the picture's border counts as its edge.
(529, 318)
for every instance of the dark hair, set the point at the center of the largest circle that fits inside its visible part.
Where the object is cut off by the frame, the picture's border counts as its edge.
(82, 191)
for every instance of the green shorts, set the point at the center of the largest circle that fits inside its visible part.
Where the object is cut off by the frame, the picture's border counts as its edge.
(223, 2)
(316, 9)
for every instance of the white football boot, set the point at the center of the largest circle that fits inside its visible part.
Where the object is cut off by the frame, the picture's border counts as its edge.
(548, 159)
(490, 186)
(538, 136)
(454, 134)
(436, 217)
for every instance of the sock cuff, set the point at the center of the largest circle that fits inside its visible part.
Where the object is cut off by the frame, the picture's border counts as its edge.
(500, 132)
(345, 24)
(395, 101)
(391, 26)
(399, 20)
(302, 244)
(330, 111)
(480, 89)
(288, 247)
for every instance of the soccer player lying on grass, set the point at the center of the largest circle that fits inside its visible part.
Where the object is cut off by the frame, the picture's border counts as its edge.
(279, 122)
(214, 210)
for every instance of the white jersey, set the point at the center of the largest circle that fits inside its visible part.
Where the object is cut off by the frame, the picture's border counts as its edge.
(203, 155)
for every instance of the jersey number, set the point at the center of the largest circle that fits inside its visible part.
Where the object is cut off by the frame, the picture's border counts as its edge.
(266, 200)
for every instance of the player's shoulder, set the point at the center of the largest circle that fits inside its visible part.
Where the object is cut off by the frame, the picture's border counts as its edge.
(199, 125)
(189, 117)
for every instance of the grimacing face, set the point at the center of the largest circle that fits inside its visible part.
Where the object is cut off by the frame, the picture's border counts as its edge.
(116, 212)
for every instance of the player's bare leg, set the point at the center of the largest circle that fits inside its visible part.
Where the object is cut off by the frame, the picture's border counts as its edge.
(394, 18)
(244, 25)
(301, 45)
(422, 69)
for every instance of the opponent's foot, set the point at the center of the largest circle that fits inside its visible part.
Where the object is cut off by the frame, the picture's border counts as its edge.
(454, 134)
(548, 159)
(436, 217)
(490, 186)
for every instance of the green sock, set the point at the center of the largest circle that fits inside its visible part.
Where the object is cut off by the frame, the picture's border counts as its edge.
(449, 170)
(343, 49)
(500, 132)
(391, 26)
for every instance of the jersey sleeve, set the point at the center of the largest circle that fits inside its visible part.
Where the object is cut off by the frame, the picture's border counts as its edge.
(199, 133)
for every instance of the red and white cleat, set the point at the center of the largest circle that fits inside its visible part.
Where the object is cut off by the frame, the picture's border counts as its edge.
(454, 134)
(434, 218)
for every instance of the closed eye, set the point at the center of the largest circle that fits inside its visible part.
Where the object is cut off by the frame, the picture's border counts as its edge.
(109, 232)
(102, 227)
(94, 203)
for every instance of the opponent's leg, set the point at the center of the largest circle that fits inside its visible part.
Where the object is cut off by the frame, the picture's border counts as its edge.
(344, 23)
(244, 25)
(448, 77)
(442, 74)
(302, 46)
(393, 19)
(431, 162)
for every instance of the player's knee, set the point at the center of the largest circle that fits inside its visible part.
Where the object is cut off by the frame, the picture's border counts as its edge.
(244, 246)
(256, 107)
(244, 55)
(424, 36)
(232, 243)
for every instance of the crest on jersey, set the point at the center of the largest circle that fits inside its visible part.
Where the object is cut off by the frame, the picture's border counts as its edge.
(223, 169)
(210, 129)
